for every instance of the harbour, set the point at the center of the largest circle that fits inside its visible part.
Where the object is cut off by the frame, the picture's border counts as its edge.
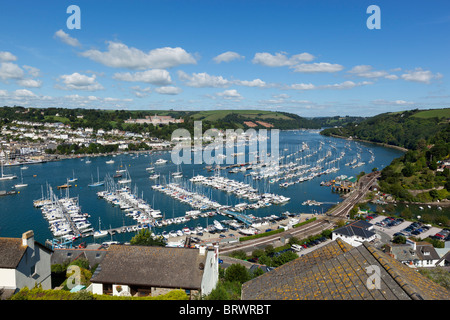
(243, 197)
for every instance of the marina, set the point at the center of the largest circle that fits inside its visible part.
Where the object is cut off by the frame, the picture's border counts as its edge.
(155, 199)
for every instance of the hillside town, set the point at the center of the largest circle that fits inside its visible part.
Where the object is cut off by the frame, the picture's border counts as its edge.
(28, 142)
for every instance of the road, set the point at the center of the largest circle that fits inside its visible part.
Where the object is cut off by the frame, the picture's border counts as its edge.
(322, 223)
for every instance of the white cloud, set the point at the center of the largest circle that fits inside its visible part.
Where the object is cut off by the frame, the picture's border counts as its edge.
(141, 92)
(9, 70)
(24, 93)
(395, 102)
(317, 67)
(120, 55)
(64, 37)
(338, 86)
(227, 57)
(230, 94)
(419, 75)
(158, 77)
(302, 86)
(7, 56)
(202, 80)
(252, 83)
(32, 71)
(170, 90)
(345, 85)
(280, 59)
(77, 81)
(366, 71)
(30, 83)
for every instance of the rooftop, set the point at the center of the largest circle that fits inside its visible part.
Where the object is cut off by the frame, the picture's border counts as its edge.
(168, 267)
(337, 271)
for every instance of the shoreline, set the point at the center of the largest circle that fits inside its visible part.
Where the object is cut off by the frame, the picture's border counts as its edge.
(367, 141)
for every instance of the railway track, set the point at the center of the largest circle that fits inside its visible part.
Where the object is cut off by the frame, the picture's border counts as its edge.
(322, 223)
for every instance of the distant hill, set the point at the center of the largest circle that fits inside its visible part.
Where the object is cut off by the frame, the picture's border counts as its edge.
(221, 119)
(405, 129)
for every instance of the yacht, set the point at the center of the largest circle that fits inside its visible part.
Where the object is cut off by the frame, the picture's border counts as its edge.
(154, 176)
(218, 225)
(100, 233)
(110, 161)
(7, 176)
(160, 161)
(21, 185)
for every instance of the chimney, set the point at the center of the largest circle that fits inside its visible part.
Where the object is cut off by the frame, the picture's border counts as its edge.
(28, 239)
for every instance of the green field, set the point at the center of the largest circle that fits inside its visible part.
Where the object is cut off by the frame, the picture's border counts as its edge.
(215, 115)
(439, 113)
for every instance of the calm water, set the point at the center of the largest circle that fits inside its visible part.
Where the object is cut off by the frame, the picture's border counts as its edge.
(18, 215)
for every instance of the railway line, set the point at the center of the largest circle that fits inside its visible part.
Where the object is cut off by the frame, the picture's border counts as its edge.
(322, 223)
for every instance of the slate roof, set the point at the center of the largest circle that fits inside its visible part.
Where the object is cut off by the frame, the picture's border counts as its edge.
(164, 267)
(353, 230)
(328, 273)
(94, 256)
(11, 252)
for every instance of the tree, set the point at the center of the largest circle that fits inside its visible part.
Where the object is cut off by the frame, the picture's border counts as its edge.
(145, 238)
(237, 272)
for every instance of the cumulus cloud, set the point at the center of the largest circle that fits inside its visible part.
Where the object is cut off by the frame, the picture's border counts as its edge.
(158, 77)
(420, 75)
(230, 94)
(252, 83)
(317, 67)
(30, 83)
(7, 56)
(169, 90)
(366, 71)
(9, 70)
(337, 86)
(202, 80)
(119, 55)
(227, 57)
(64, 37)
(281, 59)
(77, 81)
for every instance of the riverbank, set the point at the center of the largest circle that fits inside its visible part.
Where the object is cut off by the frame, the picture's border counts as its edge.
(367, 141)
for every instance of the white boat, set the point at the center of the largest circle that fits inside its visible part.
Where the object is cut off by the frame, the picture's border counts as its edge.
(98, 183)
(21, 185)
(126, 180)
(160, 161)
(218, 225)
(7, 176)
(24, 168)
(150, 168)
(73, 177)
(100, 233)
(154, 176)
(110, 161)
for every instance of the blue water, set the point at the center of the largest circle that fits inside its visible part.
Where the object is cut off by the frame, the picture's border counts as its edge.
(18, 215)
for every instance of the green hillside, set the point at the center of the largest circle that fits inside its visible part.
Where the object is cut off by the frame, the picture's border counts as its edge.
(403, 129)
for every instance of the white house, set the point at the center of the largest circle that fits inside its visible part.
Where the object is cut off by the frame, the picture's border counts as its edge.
(23, 263)
(416, 254)
(355, 233)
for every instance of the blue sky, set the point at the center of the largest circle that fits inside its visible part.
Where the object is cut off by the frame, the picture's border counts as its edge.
(312, 58)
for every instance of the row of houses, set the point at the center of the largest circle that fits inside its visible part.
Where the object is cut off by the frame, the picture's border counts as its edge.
(122, 269)
(414, 254)
(337, 270)
(25, 138)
